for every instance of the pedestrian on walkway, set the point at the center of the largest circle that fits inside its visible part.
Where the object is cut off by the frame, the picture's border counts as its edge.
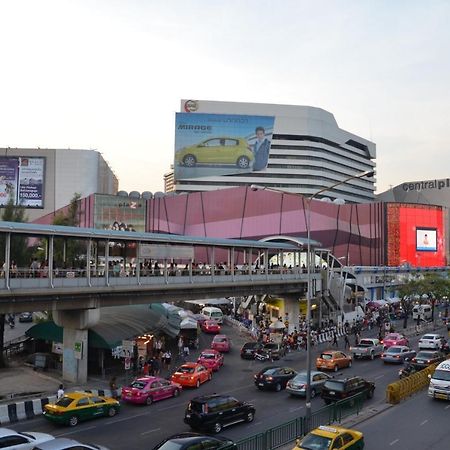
(357, 338)
(335, 341)
(180, 346)
(60, 393)
(346, 341)
(113, 388)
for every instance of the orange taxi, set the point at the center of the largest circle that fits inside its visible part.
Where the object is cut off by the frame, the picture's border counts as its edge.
(191, 374)
(333, 360)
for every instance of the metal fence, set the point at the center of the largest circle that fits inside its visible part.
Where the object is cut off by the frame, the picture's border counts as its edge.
(288, 432)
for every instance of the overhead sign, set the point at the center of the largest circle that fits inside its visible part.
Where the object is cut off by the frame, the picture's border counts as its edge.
(221, 144)
(22, 181)
(157, 251)
(127, 349)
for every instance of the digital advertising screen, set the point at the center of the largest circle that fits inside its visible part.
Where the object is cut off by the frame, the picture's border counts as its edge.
(426, 239)
(22, 181)
(221, 144)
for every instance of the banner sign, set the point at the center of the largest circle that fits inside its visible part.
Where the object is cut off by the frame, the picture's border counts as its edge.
(152, 251)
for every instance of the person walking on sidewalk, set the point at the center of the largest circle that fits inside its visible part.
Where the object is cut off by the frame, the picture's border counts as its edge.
(335, 341)
(346, 341)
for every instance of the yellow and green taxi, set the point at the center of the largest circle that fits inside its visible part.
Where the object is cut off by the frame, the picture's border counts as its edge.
(75, 407)
(331, 438)
(218, 150)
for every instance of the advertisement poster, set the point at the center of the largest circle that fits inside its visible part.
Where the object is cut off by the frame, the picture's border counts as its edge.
(22, 181)
(31, 182)
(221, 144)
(8, 180)
(426, 239)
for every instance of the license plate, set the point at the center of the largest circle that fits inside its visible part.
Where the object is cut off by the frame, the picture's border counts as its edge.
(260, 384)
(443, 396)
(188, 416)
(332, 393)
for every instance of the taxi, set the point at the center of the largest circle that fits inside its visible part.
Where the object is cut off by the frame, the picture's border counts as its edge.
(210, 326)
(211, 359)
(75, 407)
(191, 375)
(221, 343)
(333, 360)
(146, 390)
(331, 437)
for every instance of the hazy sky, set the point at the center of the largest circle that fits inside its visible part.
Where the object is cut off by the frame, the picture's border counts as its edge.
(109, 75)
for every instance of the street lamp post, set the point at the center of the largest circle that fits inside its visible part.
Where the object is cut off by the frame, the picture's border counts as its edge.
(311, 261)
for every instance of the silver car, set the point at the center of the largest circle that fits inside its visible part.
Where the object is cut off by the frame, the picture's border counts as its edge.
(67, 444)
(398, 354)
(297, 385)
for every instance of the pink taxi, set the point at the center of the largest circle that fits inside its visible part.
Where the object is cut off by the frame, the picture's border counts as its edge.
(211, 359)
(394, 339)
(221, 343)
(150, 389)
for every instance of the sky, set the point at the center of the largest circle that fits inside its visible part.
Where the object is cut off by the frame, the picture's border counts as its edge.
(109, 75)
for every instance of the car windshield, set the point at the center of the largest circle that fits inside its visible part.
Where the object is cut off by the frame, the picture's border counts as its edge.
(249, 345)
(427, 355)
(365, 343)
(301, 377)
(443, 375)
(208, 356)
(64, 402)
(430, 337)
(271, 346)
(185, 369)
(394, 337)
(220, 339)
(216, 314)
(315, 442)
(326, 356)
(138, 384)
(170, 445)
(334, 385)
(270, 371)
(394, 350)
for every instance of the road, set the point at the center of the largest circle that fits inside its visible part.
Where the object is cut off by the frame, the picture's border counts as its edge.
(141, 427)
(416, 424)
(18, 330)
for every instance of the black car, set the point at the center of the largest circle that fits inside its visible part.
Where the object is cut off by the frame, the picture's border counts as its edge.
(26, 317)
(214, 412)
(334, 390)
(271, 350)
(249, 348)
(187, 441)
(274, 377)
(427, 357)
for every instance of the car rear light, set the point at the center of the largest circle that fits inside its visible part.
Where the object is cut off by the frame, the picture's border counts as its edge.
(205, 408)
(269, 378)
(396, 356)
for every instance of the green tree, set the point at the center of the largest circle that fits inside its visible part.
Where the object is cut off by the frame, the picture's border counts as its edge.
(20, 254)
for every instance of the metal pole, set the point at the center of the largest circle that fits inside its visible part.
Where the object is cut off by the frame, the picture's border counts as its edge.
(7, 260)
(88, 261)
(107, 262)
(308, 323)
(51, 246)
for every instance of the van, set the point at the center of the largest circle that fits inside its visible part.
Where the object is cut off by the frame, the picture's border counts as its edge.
(440, 382)
(213, 313)
(423, 312)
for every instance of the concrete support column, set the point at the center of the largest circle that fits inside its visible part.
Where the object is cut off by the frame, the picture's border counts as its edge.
(292, 312)
(75, 341)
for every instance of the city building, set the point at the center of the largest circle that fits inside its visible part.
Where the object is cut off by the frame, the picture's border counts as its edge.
(308, 150)
(44, 180)
(169, 182)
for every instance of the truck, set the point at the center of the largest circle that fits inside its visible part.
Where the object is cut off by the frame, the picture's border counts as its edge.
(367, 348)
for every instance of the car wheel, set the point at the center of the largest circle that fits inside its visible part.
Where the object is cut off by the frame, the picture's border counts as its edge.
(327, 402)
(350, 364)
(278, 387)
(197, 385)
(217, 427)
(189, 161)
(112, 412)
(73, 421)
(249, 417)
(370, 393)
(149, 400)
(243, 162)
(313, 393)
(335, 368)
(210, 376)
(372, 356)
(176, 393)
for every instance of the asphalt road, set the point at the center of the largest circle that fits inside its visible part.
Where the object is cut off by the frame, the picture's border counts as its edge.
(18, 330)
(142, 427)
(416, 424)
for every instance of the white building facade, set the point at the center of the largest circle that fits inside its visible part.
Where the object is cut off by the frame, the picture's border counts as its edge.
(309, 152)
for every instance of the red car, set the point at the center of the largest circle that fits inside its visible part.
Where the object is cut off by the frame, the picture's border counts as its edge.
(394, 339)
(150, 389)
(210, 326)
(192, 374)
(221, 343)
(211, 359)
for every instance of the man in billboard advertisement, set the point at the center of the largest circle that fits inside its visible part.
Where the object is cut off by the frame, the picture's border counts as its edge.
(31, 182)
(221, 144)
(8, 180)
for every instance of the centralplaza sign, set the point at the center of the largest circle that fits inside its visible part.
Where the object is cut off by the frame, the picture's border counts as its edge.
(430, 184)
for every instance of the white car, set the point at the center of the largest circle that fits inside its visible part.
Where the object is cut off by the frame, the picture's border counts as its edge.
(67, 444)
(433, 341)
(16, 440)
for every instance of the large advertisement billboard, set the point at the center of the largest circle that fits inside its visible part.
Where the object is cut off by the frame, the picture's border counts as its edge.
(221, 144)
(22, 181)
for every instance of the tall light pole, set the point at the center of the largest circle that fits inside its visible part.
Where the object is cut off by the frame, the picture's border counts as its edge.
(310, 261)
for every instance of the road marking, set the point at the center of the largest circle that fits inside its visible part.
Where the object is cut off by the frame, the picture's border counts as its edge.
(394, 442)
(295, 409)
(150, 431)
(76, 431)
(424, 422)
(448, 406)
(379, 376)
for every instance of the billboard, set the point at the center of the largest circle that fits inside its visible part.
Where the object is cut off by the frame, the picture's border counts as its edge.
(22, 181)
(426, 239)
(221, 144)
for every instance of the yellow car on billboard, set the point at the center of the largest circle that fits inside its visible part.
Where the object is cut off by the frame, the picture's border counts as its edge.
(218, 150)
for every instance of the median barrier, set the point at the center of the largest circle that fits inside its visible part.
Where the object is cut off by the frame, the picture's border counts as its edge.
(399, 390)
